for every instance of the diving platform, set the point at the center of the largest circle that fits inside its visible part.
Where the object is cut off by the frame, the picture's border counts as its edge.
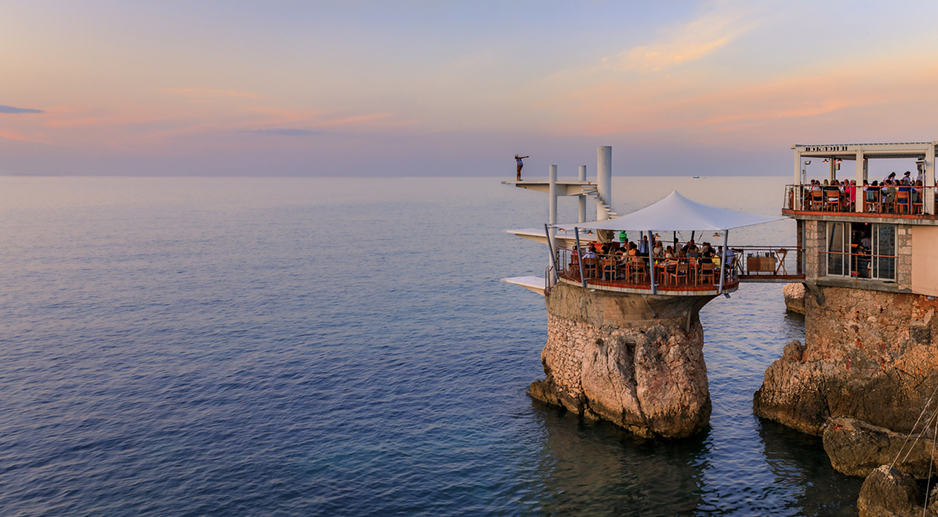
(532, 283)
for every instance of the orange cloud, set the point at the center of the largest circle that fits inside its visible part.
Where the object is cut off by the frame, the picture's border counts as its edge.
(21, 137)
(691, 103)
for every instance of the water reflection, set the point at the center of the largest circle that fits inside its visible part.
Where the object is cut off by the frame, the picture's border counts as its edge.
(586, 467)
(802, 471)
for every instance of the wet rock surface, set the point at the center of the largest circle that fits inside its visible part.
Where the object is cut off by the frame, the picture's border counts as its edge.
(869, 357)
(889, 492)
(856, 448)
(635, 362)
(794, 297)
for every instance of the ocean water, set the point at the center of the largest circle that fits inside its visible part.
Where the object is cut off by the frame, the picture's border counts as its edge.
(344, 347)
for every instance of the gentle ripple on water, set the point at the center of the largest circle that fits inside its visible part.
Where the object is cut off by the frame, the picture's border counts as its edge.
(325, 346)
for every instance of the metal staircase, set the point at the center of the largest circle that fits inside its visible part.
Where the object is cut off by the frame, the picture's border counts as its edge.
(591, 191)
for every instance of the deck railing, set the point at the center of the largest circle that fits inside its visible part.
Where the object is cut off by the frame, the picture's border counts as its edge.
(887, 200)
(633, 272)
(767, 262)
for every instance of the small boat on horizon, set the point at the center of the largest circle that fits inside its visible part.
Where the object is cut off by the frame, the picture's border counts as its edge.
(695, 177)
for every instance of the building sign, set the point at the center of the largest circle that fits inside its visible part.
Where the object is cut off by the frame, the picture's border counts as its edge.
(825, 149)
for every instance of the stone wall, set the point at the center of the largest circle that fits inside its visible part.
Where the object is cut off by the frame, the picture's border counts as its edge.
(870, 356)
(814, 245)
(634, 360)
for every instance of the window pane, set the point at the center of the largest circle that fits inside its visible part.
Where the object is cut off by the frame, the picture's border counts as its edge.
(886, 245)
(835, 247)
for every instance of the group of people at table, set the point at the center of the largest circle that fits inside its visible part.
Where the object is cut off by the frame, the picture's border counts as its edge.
(676, 264)
(892, 195)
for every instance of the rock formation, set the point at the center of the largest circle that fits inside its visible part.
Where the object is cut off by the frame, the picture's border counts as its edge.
(870, 357)
(856, 448)
(794, 297)
(634, 360)
(889, 492)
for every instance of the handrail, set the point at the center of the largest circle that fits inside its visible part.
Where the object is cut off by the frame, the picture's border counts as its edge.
(879, 199)
(609, 270)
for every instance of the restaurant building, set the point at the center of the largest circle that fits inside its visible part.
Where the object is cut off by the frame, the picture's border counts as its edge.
(859, 235)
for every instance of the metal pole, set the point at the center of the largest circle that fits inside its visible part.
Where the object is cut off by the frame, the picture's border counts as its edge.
(579, 256)
(651, 262)
(726, 235)
(553, 257)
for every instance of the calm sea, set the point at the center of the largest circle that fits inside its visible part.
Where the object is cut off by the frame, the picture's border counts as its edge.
(344, 347)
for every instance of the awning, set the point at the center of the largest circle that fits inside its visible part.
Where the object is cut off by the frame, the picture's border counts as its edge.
(676, 212)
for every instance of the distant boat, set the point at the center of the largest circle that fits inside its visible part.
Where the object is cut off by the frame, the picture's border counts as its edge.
(696, 177)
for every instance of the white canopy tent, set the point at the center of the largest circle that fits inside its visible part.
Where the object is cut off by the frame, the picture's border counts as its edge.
(676, 213)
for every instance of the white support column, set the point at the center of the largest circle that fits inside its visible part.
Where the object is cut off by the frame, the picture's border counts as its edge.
(552, 206)
(861, 175)
(833, 164)
(552, 209)
(796, 201)
(604, 179)
(930, 179)
(581, 199)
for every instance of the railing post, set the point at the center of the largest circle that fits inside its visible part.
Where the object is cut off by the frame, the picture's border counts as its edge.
(797, 176)
(651, 262)
(726, 234)
(858, 190)
(553, 256)
(579, 256)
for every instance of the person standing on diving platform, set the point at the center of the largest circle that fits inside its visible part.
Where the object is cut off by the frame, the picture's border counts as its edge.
(518, 160)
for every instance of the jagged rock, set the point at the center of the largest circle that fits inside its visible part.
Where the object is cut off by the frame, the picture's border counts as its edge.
(856, 448)
(794, 297)
(633, 360)
(864, 358)
(889, 492)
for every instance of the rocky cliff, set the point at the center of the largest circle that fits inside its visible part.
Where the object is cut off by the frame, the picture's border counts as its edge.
(794, 297)
(634, 360)
(870, 358)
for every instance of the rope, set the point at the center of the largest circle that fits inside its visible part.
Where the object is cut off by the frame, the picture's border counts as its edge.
(924, 429)
(913, 428)
(930, 464)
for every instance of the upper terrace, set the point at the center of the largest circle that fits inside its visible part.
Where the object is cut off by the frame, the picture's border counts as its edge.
(859, 197)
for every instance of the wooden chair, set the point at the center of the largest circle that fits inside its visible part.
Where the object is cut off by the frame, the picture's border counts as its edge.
(678, 275)
(902, 202)
(707, 270)
(817, 200)
(918, 202)
(666, 270)
(873, 202)
(589, 267)
(637, 271)
(889, 202)
(609, 269)
(831, 200)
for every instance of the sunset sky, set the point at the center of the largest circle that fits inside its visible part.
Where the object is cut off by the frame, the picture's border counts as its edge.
(386, 88)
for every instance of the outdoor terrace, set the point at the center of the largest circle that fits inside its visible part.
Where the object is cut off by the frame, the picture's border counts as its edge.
(899, 202)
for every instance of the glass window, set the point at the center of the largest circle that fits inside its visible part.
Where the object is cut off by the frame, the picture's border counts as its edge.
(836, 244)
(884, 251)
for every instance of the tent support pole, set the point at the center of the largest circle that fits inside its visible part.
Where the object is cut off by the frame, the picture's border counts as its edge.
(726, 235)
(553, 257)
(651, 262)
(579, 256)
